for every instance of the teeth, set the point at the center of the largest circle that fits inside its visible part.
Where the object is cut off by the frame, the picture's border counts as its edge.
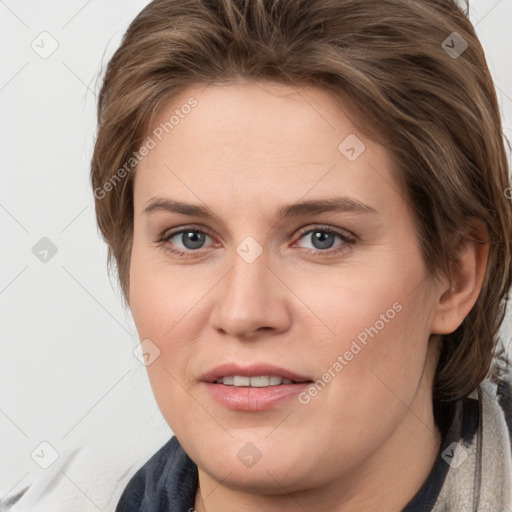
(260, 382)
(241, 381)
(254, 382)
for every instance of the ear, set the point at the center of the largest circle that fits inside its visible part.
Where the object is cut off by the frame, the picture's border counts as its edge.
(457, 293)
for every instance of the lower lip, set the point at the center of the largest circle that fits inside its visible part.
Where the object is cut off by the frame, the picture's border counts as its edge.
(253, 398)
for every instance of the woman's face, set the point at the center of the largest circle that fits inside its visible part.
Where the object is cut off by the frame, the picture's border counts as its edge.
(308, 267)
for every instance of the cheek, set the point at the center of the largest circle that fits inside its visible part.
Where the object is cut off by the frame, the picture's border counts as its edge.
(378, 330)
(376, 303)
(165, 305)
(161, 296)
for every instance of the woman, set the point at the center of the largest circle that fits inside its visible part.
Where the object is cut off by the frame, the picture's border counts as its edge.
(307, 206)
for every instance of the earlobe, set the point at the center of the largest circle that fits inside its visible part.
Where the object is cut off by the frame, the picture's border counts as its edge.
(458, 293)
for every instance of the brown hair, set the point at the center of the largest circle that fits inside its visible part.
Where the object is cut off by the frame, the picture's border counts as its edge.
(416, 70)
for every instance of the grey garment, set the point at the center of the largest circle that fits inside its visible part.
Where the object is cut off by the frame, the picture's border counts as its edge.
(472, 472)
(480, 476)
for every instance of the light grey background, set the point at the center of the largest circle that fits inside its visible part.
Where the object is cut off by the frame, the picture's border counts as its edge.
(68, 376)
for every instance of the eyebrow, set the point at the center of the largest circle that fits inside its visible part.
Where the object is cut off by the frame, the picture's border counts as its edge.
(311, 207)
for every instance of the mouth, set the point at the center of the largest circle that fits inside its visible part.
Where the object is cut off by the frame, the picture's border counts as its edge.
(253, 388)
(260, 381)
(255, 375)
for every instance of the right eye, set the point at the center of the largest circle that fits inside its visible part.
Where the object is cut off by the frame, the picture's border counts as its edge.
(190, 238)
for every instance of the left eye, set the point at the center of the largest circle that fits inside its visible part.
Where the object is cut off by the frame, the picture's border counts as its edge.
(323, 238)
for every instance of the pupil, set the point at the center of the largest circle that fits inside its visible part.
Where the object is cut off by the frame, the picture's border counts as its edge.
(324, 240)
(192, 240)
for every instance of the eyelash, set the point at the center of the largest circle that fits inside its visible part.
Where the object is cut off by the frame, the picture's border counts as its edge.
(165, 238)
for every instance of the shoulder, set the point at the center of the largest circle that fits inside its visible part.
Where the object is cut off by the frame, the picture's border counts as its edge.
(504, 398)
(479, 456)
(90, 469)
(155, 467)
(167, 481)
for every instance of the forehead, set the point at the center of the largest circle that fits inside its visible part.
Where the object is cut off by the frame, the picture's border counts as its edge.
(267, 111)
(260, 137)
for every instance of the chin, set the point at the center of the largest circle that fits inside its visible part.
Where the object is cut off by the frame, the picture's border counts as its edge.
(261, 467)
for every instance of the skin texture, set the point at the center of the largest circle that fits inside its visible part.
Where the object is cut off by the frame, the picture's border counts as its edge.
(368, 439)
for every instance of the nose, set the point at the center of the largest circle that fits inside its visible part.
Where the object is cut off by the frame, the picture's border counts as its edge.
(250, 300)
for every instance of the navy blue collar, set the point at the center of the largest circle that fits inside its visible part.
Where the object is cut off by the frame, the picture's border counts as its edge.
(167, 482)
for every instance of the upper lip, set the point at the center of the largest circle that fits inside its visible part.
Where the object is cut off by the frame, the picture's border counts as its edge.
(251, 370)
